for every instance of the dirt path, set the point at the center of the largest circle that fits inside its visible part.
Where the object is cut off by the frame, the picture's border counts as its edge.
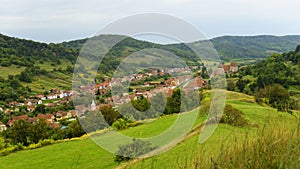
(196, 131)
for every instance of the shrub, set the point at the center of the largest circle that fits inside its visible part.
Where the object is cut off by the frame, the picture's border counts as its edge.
(120, 124)
(8, 150)
(233, 117)
(133, 150)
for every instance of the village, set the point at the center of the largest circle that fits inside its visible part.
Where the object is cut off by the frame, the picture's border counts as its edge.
(160, 81)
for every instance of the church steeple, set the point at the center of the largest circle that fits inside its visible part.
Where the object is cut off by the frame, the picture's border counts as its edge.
(93, 105)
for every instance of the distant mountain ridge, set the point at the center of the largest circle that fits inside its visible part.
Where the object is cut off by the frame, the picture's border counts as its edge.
(231, 47)
(254, 47)
(228, 47)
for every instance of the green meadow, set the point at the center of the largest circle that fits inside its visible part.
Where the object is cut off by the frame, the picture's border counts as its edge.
(229, 146)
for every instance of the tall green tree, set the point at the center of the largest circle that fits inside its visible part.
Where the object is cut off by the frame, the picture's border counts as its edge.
(173, 103)
(241, 84)
(230, 85)
(20, 132)
(40, 130)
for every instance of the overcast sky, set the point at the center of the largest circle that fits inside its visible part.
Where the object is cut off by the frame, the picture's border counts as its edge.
(63, 20)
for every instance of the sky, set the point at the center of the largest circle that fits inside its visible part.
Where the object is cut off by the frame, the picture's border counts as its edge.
(64, 20)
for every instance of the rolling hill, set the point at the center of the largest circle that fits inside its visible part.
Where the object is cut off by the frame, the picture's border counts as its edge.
(228, 47)
(272, 127)
(253, 47)
(16, 55)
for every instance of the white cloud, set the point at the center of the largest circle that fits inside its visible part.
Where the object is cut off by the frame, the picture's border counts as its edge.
(79, 18)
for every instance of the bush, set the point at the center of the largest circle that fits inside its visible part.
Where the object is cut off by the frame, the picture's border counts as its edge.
(120, 124)
(233, 117)
(8, 150)
(133, 150)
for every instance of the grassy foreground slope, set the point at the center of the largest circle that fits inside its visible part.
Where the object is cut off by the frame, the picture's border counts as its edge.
(224, 147)
(86, 154)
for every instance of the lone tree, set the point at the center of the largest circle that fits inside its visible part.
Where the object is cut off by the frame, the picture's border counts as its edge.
(277, 96)
(241, 84)
(230, 85)
(133, 150)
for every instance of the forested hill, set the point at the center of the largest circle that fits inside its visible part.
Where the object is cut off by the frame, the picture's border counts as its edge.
(228, 47)
(23, 52)
(26, 52)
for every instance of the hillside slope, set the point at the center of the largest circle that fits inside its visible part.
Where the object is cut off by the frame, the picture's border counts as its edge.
(86, 154)
(228, 47)
(253, 47)
(18, 54)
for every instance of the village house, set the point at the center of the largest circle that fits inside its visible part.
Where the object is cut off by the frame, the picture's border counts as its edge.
(194, 67)
(54, 91)
(168, 92)
(2, 127)
(88, 88)
(40, 97)
(28, 102)
(51, 105)
(71, 114)
(80, 110)
(116, 81)
(154, 83)
(125, 99)
(49, 118)
(33, 102)
(10, 123)
(8, 111)
(52, 96)
(226, 68)
(138, 94)
(232, 67)
(195, 84)
(12, 104)
(60, 115)
(30, 108)
(103, 86)
(182, 79)
(170, 82)
(61, 95)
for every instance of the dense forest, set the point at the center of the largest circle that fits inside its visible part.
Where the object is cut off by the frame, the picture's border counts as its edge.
(26, 52)
(253, 47)
(228, 47)
(275, 81)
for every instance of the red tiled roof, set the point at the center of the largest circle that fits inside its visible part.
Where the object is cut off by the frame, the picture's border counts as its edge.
(24, 117)
(233, 64)
(54, 125)
(39, 96)
(44, 116)
(226, 68)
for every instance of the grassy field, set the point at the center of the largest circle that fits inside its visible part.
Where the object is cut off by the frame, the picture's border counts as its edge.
(56, 79)
(187, 154)
(191, 154)
(11, 70)
(41, 83)
(49, 66)
(79, 154)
